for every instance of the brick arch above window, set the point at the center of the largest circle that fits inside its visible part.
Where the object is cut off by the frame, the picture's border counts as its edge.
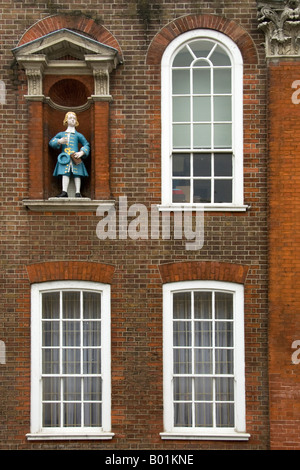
(80, 24)
(70, 270)
(203, 270)
(187, 23)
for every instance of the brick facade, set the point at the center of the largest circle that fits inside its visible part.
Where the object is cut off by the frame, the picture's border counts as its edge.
(40, 246)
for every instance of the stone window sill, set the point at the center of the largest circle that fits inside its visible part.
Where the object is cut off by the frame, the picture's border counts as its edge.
(67, 204)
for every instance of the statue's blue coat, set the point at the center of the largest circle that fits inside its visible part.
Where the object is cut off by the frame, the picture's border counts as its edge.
(73, 146)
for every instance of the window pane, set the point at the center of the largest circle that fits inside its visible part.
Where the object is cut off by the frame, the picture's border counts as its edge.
(51, 414)
(202, 108)
(204, 415)
(72, 389)
(181, 165)
(224, 305)
(223, 191)
(224, 389)
(181, 190)
(92, 388)
(203, 361)
(201, 48)
(222, 108)
(71, 333)
(51, 388)
(50, 305)
(202, 164)
(222, 81)
(183, 58)
(182, 361)
(50, 358)
(182, 305)
(225, 415)
(91, 333)
(203, 304)
(224, 333)
(183, 414)
(91, 305)
(203, 333)
(181, 135)
(222, 137)
(182, 333)
(224, 361)
(50, 335)
(181, 109)
(71, 361)
(93, 414)
(183, 389)
(203, 389)
(71, 305)
(220, 57)
(223, 164)
(92, 361)
(202, 191)
(181, 82)
(72, 415)
(202, 135)
(201, 81)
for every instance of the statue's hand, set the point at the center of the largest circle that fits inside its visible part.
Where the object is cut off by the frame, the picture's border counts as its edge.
(78, 154)
(63, 140)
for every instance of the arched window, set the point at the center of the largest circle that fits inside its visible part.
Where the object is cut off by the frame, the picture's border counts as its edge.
(202, 122)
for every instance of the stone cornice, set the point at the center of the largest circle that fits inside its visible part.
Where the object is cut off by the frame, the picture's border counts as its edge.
(280, 22)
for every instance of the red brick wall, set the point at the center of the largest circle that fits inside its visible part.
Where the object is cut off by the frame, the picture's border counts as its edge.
(284, 255)
(32, 239)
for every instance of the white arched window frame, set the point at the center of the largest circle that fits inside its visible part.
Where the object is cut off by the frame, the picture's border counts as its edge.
(203, 358)
(235, 201)
(70, 361)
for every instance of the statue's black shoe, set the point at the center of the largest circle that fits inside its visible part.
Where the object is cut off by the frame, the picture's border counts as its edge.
(78, 195)
(63, 194)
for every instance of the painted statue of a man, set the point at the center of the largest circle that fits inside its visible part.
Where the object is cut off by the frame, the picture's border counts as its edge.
(69, 161)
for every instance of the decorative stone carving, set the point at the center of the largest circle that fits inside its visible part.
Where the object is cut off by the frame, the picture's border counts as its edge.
(280, 21)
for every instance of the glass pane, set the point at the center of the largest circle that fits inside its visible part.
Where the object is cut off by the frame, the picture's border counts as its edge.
(182, 389)
(204, 415)
(93, 414)
(92, 388)
(182, 333)
(50, 361)
(202, 108)
(223, 191)
(203, 361)
(223, 164)
(71, 305)
(72, 416)
(220, 57)
(50, 305)
(92, 333)
(202, 191)
(224, 361)
(224, 334)
(72, 389)
(51, 388)
(225, 415)
(183, 414)
(202, 164)
(201, 81)
(183, 58)
(181, 136)
(224, 389)
(71, 361)
(92, 361)
(182, 361)
(91, 305)
(222, 136)
(181, 165)
(202, 135)
(51, 414)
(203, 333)
(203, 304)
(202, 63)
(50, 335)
(71, 333)
(182, 305)
(203, 389)
(222, 108)
(201, 48)
(222, 81)
(224, 305)
(181, 190)
(181, 82)
(181, 109)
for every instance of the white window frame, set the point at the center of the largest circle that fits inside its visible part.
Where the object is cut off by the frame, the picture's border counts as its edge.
(37, 432)
(237, 203)
(203, 433)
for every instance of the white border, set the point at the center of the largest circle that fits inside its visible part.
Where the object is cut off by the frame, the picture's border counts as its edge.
(166, 138)
(36, 431)
(170, 432)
